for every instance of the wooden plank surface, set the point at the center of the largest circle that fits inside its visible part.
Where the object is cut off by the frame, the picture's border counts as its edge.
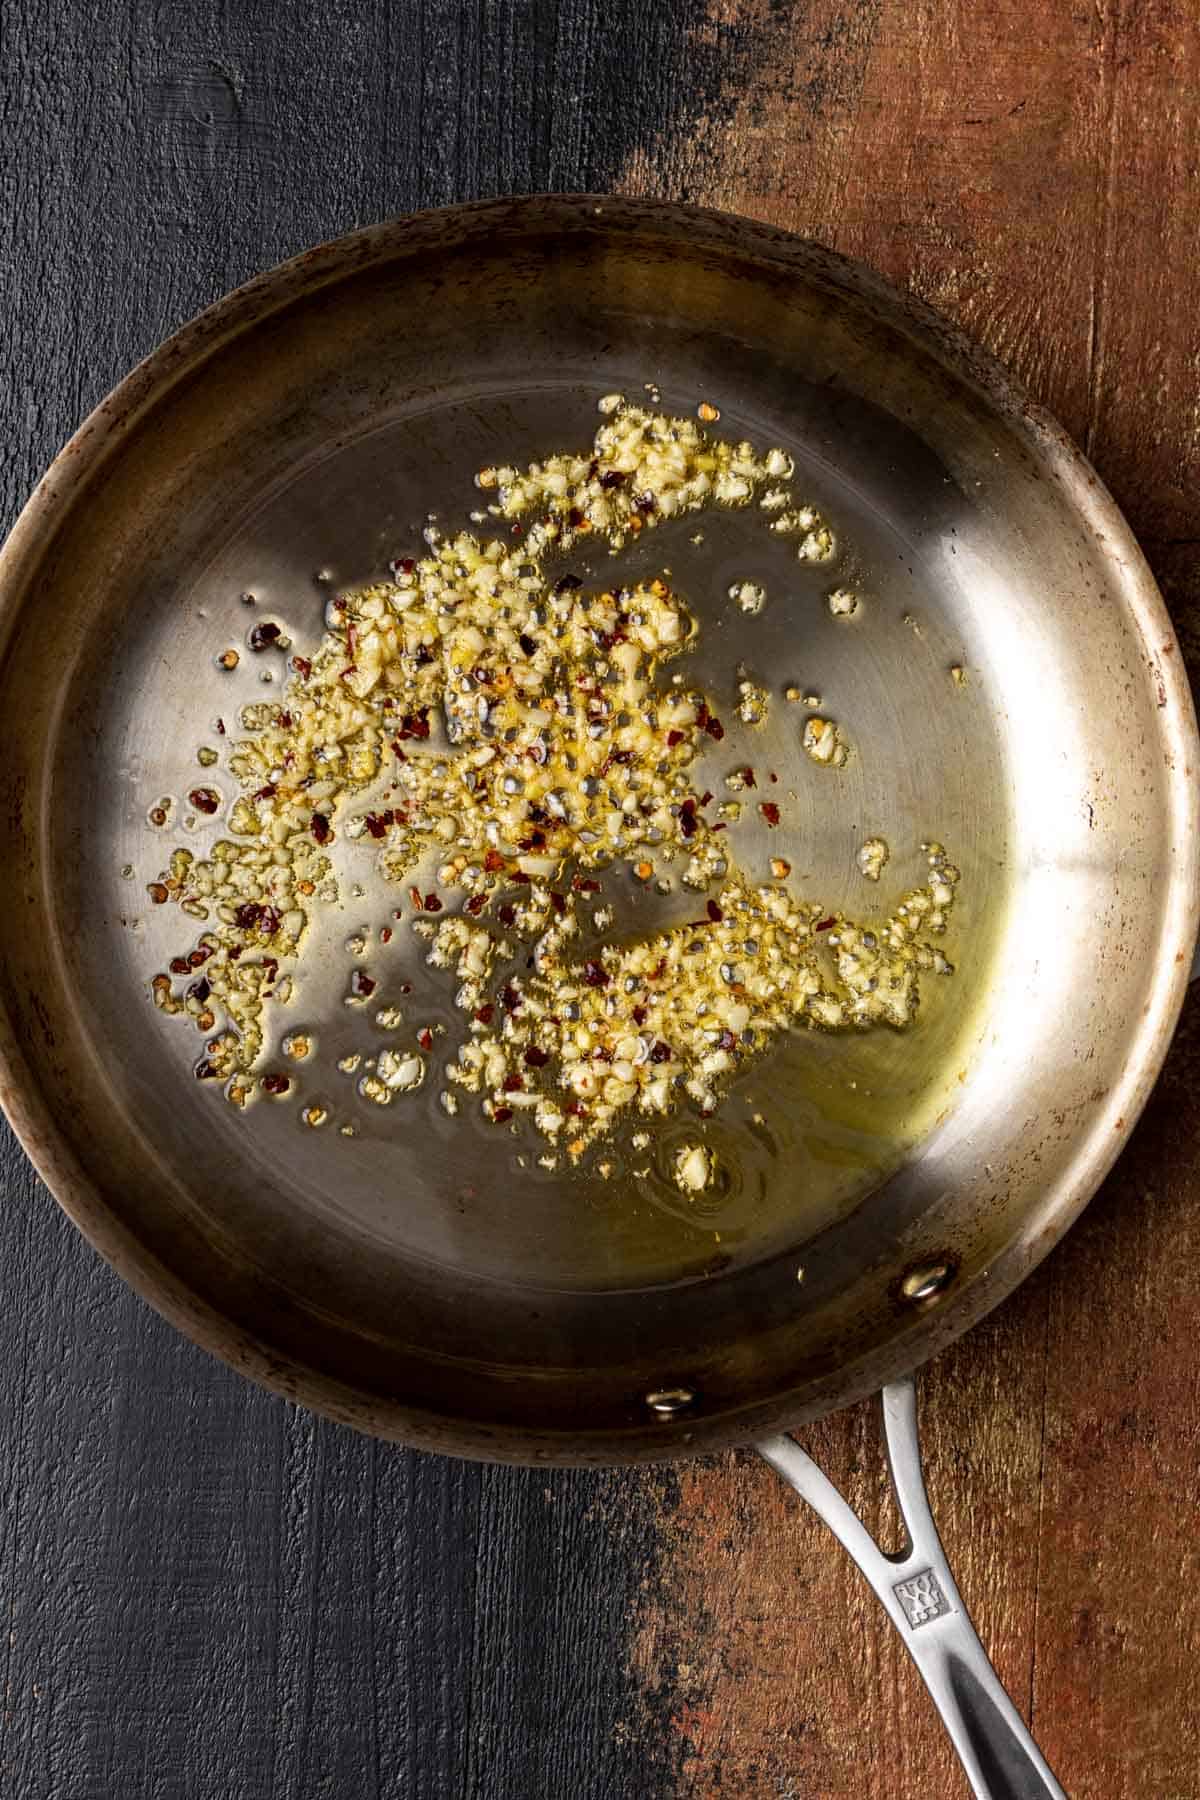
(210, 1595)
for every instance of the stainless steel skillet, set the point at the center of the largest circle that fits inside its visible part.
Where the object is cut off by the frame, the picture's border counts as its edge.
(421, 1280)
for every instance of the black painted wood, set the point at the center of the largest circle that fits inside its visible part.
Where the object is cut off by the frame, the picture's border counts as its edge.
(208, 1595)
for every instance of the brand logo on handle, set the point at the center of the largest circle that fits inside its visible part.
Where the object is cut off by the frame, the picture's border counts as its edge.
(922, 1598)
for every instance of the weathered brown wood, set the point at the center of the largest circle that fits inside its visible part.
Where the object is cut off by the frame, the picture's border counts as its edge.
(1032, 170)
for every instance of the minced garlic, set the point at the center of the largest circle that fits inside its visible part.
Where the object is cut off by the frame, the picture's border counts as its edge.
(872, 856)
(693, 1167)
(824, 742)
(509, 724)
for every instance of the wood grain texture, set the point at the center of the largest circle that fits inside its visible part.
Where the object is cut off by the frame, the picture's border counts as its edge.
(209, 1595)
(1031, 169)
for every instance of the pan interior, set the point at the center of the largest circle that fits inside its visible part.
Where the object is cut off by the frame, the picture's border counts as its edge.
(428, 1262)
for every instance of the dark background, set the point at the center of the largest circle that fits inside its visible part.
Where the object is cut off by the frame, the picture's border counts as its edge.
(209, 1595)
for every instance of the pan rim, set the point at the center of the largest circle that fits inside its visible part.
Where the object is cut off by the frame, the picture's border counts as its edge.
(100, 437)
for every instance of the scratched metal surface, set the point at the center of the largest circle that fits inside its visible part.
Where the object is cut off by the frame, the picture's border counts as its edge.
(208, 1594)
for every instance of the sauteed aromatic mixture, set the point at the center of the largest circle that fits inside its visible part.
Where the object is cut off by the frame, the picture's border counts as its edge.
(503, 737)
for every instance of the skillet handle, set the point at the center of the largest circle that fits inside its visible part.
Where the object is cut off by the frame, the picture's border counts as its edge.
(1000, 1759)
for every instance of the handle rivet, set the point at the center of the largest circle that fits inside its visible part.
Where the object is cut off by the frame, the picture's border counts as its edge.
(926, 1281)
(668, 1403)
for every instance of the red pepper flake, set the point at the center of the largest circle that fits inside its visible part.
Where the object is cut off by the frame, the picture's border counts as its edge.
(205, 1071)
(825, 924)
(595, 974)
(501, 1115)
(512, 1084)
(493, 861)
(385, 936)
(204, 800)
(558, 902)
(414, 894)
(772, 776)
(714, 912)
(302, 667)
(706, 797)
(319, 826)
(248, 915)
(726, 1041)
(158, 893)
(425, 1038)
(414, 725)
(520, 879)
(528, 644)
(199, 990)
(263, 636)
(536, 1057)
(377, 823)
(769, 811)
(661, 1052)
(432, 903)
(583, 884)
(362, 985)
(507, 914)
(510, 998)
(476, 904)
(659, 970)
(276, 1084)
(267, 791)
(639, 1015)
(197, 958)
(403, 565)
(715, 729)
(613, 478)
(673, 738)
(220, 727)
(179, 965)
(687, 818)
(485, 1014)
(575, 1108)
